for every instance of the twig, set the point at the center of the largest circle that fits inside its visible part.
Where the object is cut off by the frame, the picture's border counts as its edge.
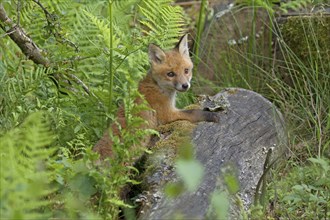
(23, 41)
(262, 181)
(5, 34)
(28, 47)
(43, 8)
(80, 82)
(51, 18)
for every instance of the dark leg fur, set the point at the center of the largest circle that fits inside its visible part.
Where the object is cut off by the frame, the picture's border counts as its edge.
(197, 115)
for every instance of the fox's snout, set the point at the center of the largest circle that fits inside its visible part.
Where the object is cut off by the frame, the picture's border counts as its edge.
(178, 79)
(182, 87)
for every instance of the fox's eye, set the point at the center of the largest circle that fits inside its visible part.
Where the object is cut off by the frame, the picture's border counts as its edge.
(186, 71)
(170, 74)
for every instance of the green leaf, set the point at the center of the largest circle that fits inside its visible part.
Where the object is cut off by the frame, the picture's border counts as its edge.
(83, 184)
(25, 171)
(119, 203)
(232, 182)
(219, 205)
(174, 189)
(323, 163)
(191, 172)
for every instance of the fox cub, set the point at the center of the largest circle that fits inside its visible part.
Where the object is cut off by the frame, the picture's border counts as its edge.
(170, 71)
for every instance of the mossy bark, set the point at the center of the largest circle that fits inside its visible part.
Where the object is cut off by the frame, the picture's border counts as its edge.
(234, 148)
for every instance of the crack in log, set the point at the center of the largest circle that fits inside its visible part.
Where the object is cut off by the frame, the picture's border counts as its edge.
(246, 125)
(260, 136)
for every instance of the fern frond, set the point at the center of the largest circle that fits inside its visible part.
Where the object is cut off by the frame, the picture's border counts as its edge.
(26, 88)
(19, 90)
(25, 175)
(162, 21)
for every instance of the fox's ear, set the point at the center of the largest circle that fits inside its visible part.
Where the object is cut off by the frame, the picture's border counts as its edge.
(156, 54)
(182, 46)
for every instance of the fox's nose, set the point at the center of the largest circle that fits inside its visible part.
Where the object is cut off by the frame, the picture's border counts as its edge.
(185, 86)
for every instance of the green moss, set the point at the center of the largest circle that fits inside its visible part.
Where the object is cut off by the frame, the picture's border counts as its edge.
(172, 137)
(175, 134)
(308, 37)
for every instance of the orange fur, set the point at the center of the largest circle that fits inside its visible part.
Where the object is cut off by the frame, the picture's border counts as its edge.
(170, 71)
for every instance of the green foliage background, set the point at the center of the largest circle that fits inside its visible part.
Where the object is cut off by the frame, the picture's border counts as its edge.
(49, 122)
(296, 79)
(49, 119)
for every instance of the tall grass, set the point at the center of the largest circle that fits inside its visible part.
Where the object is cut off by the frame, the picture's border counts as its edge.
(236, 50)
(294, 74)
(291, 67)
(304, 96)
(301, 89)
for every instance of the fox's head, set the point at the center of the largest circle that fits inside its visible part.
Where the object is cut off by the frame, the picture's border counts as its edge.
(172, 69)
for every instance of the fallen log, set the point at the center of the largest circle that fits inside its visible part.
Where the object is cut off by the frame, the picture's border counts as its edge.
(246, 142)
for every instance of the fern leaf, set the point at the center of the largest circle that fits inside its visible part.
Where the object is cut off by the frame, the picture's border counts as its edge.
(162, 21)
(25, 177)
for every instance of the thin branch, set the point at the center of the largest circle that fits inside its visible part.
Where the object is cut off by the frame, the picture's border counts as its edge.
(23, 41)
(43, 8)
(28, 47)
(51, 19)
(5, 34)
(80, 82)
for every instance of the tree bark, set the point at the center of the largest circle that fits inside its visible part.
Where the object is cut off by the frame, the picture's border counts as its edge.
(249, 130)
(23, 41)
(32, 51)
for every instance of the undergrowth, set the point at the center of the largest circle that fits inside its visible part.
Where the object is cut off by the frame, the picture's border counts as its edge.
(51, 117)
(288, 62)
